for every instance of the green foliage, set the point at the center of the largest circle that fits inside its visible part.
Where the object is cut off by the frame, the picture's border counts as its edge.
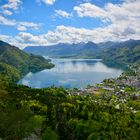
(60, 116)
(57, 114)
(9, 71)
(126, 54)
(14, 60)
(49, 134)
(15, 124)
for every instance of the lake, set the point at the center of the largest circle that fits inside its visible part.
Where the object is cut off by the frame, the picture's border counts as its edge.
(71, 73)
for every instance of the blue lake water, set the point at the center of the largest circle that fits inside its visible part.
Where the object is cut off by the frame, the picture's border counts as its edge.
(71, 73)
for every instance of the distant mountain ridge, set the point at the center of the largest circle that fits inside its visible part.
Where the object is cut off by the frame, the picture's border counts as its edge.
(126, 51)
(63, 50)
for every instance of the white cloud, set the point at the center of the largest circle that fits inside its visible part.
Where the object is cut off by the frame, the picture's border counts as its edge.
(5, 21)
(47, 2)
(7, 9)
(63, 13)
(29, 24)
(24, 39)
(123, 24)
(11, 40)
(7, 12)
(65, 34)
(123, 19)
(4, 37)
(27, 38)
(129, 9)
(21, 28)
(11, 6)
(88, 9)
(21, 25)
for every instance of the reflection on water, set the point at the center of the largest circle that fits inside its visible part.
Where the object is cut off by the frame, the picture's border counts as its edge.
(71, 73)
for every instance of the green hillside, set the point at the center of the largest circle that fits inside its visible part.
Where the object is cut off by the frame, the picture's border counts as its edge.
(117, 52)
(62, 114)
(127, 53)
(13, 60)
(9, 71)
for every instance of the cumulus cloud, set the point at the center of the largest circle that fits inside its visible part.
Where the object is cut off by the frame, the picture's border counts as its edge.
(88, 9)
(24, 39)
(123, 23)
(27, 38)
(7, 12)
(47, 2)
(67, 34)
(123, 19)
(5, 21)
(63, 13)
(11, 40)
(7, 9)
(63, 34)
(11, 6)
(114, 12)
(22, 26)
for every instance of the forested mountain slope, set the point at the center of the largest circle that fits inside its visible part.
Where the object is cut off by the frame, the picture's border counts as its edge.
(61, 114)
(12, 58)
(126, 52)
(64, 50)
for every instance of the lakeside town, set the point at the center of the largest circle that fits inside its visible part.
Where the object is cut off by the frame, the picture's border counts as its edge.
(126, 85)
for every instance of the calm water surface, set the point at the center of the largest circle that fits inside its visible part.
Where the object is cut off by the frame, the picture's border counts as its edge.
(71, 73)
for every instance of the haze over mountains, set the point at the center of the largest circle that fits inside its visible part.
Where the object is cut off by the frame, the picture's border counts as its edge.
(63, 49)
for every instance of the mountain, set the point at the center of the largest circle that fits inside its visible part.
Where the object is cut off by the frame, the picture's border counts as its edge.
(120, 52)
(16, 61)
(108, 44)
(64, 50)
(123, 52)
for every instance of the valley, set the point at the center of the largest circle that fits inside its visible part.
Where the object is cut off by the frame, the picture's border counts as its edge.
(69, 69)
(107, 110)
(118, 52)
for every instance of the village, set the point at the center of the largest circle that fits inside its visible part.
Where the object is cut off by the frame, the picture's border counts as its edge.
(124, 86)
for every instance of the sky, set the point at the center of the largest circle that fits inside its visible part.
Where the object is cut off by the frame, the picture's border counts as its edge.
(47, 22)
